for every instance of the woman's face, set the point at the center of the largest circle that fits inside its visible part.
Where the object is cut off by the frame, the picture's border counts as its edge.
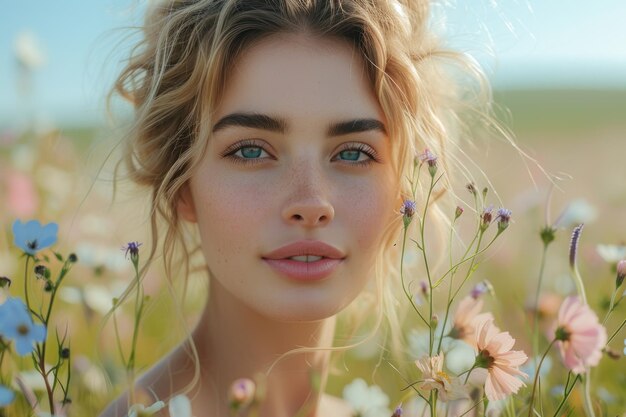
(298, 154)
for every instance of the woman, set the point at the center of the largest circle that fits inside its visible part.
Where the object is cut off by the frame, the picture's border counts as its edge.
(282, 131)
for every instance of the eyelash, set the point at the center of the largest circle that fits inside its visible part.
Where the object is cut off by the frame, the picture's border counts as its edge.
(249, 143)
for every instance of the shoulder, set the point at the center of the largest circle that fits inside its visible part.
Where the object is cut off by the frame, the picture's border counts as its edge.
(160, 382)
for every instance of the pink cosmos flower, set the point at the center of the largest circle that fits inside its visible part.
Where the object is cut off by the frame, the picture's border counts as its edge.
(580, 337)
(463, 321)
(495, 355)
(435, 378)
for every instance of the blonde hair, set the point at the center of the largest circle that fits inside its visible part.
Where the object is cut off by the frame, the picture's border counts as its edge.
(178, 72)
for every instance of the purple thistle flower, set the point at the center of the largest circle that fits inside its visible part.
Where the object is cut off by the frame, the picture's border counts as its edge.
(431, 159)
(428, 157)
(481, 288)
(132, 248)
(503, 216)
(408, 208)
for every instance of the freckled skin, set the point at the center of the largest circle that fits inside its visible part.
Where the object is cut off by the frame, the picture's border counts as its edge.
(296, 190)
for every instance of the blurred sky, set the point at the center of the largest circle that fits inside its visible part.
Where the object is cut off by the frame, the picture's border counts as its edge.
(523, 44)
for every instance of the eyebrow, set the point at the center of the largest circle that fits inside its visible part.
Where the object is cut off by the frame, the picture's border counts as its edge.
(272, 124)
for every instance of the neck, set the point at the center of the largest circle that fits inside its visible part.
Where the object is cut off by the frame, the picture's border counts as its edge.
(236, 342)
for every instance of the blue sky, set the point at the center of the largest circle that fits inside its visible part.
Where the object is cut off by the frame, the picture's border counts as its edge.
(533, 44)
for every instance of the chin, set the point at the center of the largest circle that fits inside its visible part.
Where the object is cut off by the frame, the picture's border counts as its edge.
(300, 311)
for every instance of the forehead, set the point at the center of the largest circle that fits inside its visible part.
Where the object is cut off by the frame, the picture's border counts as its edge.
(297, 77)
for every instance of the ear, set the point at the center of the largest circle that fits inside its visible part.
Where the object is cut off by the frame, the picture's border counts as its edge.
(184, 205)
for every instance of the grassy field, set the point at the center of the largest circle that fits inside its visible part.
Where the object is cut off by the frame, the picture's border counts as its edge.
(577, 136)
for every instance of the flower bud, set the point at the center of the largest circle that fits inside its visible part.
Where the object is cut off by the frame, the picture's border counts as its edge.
(547, 235)
(5, 282)
(471, 188)
(486, 218)
(241, 393)
(72, 258)
(397, 412)
(621, 273)
(48, 286)
(503, 216)
(42, 272)
(458, 212)
(64, 353)
(407, 210)
(431, 160)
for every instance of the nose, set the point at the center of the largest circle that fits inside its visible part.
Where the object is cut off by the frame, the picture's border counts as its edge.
(308, 204)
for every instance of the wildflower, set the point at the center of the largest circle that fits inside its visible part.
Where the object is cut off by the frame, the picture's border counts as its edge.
(6, 396)
(621, 273)
(495, 355)
(435, 378)
(241, 393)
(397, 412)
(430, 158)
(408, 211)
(612, 253)
(573, 246)
(457, 212)
(41, 272)
(16, 324)
(180, 406)
(486, 218)
(140, 410)
(580, 337)
(467, 311)
(547, 235)
(32, 237)
(5, 282)
(503, 216)
(366, 401)
(471, 188)
(481, 288)
(133, 249)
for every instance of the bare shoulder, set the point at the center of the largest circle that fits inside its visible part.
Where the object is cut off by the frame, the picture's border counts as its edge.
(160, 382)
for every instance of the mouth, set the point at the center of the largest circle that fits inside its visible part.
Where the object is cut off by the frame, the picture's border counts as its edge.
(305, 260)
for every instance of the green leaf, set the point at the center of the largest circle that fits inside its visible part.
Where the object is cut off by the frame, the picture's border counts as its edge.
(58, 256)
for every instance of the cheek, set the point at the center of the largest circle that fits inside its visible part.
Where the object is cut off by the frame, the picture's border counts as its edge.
(369, 210)
(230, 213)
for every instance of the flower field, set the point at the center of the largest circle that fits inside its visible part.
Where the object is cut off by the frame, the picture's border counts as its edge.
(537, 300)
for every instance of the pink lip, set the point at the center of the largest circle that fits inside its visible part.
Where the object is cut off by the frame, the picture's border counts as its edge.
(305, 271)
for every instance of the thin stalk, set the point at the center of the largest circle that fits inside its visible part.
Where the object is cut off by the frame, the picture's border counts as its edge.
(566, 396)
(536, 303)
(532, 396)
(402, 279)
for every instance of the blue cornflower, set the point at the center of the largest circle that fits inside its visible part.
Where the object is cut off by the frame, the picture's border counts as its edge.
(6, 396)
(32, 237)
(132, 248)
(17, 325)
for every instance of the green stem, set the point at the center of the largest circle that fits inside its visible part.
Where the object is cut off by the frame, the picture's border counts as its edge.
(406, 293)
(536, 304)
(430, 283)
(28, 257)
(532, 396)
(616, 331)
(566, 396)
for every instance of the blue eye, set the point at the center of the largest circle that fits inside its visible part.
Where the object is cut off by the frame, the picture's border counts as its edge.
(357, 154)
(350, 155)
(250, 151)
